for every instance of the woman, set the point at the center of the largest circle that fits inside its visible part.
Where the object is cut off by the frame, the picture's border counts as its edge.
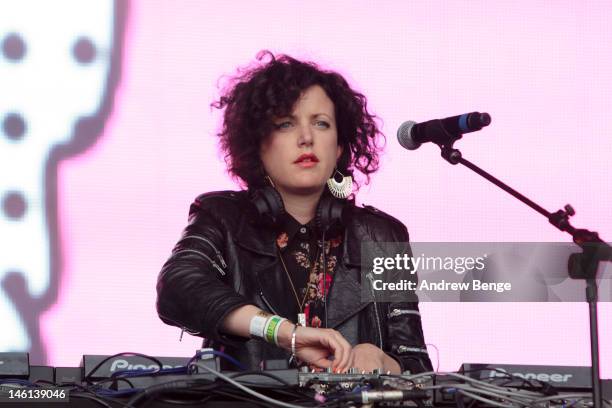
(286, 250)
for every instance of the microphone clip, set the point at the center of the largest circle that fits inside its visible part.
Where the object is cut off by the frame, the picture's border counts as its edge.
(450, 154)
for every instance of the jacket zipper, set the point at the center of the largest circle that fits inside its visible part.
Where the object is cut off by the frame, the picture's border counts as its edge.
(371, 278)
(217, 252)
(267, 303)
(378, 325)
(405, 349)
(399, 312)
(195, 251)
(180, 326)
(184, 329)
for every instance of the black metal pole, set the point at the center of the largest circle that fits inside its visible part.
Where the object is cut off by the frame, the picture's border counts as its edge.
(582, 237)
(504, 187)
(591, 295)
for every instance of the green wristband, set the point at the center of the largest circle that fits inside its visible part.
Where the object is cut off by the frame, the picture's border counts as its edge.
(277, 329)
(272, 323)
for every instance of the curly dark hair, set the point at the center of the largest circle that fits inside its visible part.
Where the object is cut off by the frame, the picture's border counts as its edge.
(270, 89)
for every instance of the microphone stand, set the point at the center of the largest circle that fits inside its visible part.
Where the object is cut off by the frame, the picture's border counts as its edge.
(580, 265)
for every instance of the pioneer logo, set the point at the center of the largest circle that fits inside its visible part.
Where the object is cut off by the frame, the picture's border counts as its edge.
(120, 365)
(547, 377)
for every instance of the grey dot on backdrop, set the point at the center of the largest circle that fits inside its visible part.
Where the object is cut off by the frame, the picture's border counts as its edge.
(13, 47)
(14, 205)
(14, 126)
(84, 50)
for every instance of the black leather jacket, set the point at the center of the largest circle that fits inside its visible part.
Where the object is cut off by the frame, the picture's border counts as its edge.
(226, 259)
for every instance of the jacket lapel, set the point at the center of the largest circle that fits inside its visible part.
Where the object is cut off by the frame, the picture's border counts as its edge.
(255, 238)
(261, 242)
(345, 294)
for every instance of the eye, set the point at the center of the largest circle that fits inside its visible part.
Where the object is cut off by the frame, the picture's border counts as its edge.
(283, 125)
(322, 123)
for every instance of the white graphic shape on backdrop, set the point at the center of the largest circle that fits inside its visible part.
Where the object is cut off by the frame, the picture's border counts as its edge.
(43, 83)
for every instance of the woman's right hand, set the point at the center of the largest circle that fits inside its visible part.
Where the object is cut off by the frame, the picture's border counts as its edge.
(321, 348)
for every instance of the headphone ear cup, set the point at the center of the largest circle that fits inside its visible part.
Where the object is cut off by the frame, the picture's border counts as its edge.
(268, 203)
(329, 211)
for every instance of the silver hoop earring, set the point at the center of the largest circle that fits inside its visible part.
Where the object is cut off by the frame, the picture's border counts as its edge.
(342, 188)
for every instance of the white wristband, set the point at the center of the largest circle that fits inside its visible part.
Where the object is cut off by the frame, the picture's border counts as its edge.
(257, 326)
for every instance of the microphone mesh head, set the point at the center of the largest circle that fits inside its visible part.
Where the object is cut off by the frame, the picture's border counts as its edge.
(404, 136)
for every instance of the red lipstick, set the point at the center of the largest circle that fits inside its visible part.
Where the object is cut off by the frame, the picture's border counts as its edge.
(307, 160)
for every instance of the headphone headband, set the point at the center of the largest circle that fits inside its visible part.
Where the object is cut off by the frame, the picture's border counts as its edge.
(270, 208)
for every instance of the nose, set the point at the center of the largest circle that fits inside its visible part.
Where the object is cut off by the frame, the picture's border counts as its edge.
(305, 138)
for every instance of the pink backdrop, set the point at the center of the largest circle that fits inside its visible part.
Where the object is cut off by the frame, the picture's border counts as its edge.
(541, 69)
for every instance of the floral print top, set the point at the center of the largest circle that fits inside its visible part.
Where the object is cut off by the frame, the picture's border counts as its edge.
(302, 251)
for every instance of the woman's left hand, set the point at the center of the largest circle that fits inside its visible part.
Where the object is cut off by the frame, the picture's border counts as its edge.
(367, 357)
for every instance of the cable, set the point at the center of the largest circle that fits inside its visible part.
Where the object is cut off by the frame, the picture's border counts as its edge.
(195, 397)
(213, 389)
(18, 381)
(437, 355)
(261, 373)
(170, 386)
(85, 393)
(140, 393)
(485, 400)
(239, 397)
(581, 395)
(481, 387)
(490, 393)
(115, 381)
(74, 386)
(506, 390)
(468, 379)
(175, 370)
(453, 388)
(92, 398)
(521, 397)
(247, 389)
(116, 393)
(218, 353)
(97, 367)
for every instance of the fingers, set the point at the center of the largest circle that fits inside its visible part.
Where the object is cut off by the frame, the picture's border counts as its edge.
(326, 341)
(342, 362)
(320, 364)
(322, 342)
(342, 350)
(368, 357)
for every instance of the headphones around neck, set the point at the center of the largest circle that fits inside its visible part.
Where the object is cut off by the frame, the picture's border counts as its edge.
(269, 206)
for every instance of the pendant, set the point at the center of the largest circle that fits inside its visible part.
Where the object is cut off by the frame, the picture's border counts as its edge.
(302, 319)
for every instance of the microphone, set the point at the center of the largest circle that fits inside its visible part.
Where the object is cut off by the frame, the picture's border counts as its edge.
(440, 131)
